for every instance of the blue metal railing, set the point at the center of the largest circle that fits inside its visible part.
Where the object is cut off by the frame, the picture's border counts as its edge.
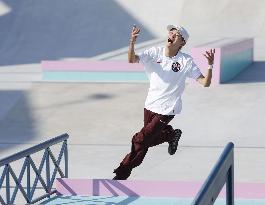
(222, 173)
(46, 182)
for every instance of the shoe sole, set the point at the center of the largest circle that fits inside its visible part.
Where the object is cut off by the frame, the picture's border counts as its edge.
(178, 134)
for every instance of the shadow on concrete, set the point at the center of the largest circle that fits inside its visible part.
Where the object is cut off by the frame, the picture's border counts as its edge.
(92, 200)
(112, 186)
(90, 98)
(49, 30)
(100, 96)
(253, 74)
(17, 122)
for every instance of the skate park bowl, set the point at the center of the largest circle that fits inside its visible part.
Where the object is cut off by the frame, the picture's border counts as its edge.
(34, 105)
(218, 188)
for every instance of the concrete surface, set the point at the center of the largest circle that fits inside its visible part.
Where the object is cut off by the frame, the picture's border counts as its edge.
(101, 118)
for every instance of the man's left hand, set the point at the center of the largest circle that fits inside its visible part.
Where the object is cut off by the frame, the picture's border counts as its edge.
(210, 56)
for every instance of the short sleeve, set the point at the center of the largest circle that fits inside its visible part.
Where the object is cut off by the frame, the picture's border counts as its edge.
(193, 70)
(147, 55)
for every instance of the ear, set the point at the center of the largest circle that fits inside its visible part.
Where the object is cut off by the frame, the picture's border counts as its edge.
(183, 43)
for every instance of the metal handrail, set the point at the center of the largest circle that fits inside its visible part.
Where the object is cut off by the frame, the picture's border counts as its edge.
(33, 149)
(222, 173)
(28, 165)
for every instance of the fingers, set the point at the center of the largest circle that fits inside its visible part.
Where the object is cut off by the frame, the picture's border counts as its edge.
(134, 34)
(212, 52)
(135, 30)
(210, 56)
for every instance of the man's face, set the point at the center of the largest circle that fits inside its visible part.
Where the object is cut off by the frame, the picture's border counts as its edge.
(175, 39)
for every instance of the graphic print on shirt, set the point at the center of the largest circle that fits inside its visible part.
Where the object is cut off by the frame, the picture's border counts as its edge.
(175, 66)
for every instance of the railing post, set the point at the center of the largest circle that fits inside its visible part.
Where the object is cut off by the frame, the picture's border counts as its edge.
(48, 171)
(66, 159)
(28, 178)
(222, 174)
(7, 185)
(230, 186)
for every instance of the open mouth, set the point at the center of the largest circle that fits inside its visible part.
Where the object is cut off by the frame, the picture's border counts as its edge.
(169, 40)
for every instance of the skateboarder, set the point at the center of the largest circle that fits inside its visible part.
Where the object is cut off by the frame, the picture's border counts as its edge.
(167, 69)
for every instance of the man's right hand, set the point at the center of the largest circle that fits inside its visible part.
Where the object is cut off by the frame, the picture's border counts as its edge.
(135, 33)
(132, 58)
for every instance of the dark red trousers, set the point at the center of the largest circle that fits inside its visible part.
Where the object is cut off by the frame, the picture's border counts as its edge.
(155, 131)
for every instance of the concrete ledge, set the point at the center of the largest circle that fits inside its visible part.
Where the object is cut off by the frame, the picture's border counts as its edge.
(91, 66)
(122, 200)
(94, 77)
(135, 200)
(93, 71)
(107, 187)
(232, 56)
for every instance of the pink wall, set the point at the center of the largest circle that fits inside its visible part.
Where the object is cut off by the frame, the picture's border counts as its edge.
(87, 65)
(202, 63)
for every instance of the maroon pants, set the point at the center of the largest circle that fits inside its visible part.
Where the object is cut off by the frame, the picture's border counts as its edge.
(155, 131)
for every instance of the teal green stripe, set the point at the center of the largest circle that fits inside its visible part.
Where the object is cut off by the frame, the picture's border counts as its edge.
(96, 76)
(242, 202)
(102, 200)
(233, 65)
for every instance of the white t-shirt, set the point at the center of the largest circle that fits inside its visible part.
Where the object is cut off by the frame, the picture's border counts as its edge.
(167, 79)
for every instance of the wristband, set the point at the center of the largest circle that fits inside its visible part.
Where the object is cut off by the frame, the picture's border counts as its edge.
(210, 67)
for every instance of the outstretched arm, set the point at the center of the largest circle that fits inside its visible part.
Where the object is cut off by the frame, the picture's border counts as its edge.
(132, 58)
(206, 80)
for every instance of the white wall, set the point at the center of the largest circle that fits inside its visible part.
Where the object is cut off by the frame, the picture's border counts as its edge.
(229, 18)
(154, 14)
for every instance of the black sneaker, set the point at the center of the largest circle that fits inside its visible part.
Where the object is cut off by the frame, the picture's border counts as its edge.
(121, 173)
(173, 145)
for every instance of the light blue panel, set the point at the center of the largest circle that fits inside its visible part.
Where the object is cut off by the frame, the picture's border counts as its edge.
(95, 76)
(122, 200)
(233, 65)
(242, 202)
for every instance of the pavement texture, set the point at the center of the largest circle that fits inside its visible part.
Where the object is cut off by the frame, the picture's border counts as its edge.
(102, 118)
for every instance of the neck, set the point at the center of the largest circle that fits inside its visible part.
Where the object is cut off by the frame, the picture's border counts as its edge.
(171, 52)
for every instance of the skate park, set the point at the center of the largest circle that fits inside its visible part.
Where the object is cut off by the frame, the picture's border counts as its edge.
(101, 117)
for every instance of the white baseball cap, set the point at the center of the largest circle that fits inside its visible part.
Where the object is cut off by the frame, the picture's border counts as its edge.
(181, 30)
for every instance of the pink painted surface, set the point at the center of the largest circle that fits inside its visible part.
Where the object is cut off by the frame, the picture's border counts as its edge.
(107, 187)
(201, 62)
(227, 49)
(126, 188)
(82, 65)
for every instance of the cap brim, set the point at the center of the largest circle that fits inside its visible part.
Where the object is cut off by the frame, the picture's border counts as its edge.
(169, 27)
